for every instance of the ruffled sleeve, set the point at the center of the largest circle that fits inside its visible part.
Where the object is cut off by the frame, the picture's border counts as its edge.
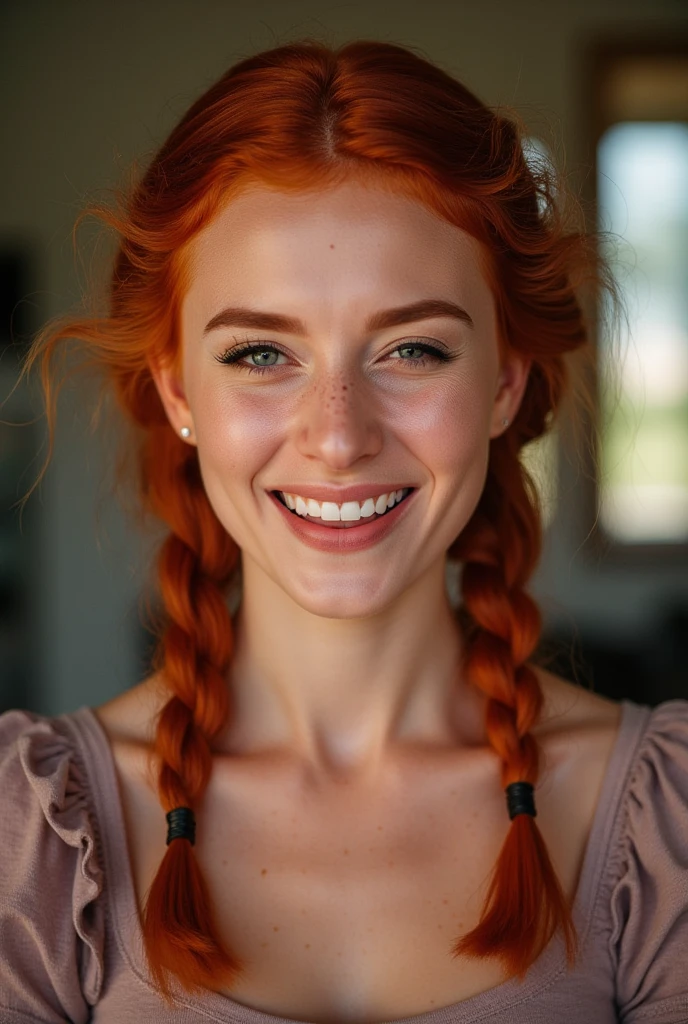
(649, 900)
(51, 917)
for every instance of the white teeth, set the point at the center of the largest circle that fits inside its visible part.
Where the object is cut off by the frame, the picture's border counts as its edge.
(348, 511)
(367, 509)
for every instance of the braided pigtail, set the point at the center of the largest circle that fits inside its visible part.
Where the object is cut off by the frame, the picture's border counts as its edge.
(500, 546)
(196, 563)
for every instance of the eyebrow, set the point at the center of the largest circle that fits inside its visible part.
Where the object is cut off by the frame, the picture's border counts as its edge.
(255, 319)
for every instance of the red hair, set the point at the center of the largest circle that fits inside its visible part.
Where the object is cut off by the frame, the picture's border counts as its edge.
(306, 116)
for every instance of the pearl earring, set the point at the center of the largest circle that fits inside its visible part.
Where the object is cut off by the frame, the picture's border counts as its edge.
(185, 431)
(505, 423)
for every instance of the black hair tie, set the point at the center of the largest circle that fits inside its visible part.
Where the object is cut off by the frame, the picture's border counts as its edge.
(181, 824)
(519, 799)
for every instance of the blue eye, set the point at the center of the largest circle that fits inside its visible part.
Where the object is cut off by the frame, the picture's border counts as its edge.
(257, 348)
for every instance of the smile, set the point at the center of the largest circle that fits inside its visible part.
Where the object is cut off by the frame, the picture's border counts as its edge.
(346, 514)
(344, 537)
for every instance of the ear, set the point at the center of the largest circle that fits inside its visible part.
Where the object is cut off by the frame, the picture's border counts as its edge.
(511, 384)
(171, 390)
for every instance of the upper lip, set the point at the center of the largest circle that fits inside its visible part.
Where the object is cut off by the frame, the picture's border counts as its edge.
(326, 492)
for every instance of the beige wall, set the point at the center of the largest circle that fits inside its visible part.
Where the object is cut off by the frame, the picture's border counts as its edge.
(90, 85)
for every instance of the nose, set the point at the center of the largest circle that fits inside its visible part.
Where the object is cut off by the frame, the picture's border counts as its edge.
(338, 421)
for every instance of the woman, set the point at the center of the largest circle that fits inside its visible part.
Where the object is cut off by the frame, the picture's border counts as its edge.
(340, 307)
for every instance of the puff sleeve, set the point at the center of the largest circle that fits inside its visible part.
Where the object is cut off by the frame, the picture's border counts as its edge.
(51, 917)
(649, 900)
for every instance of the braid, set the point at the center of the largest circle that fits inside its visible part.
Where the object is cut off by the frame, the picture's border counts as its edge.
(525, 903)
(196, 563)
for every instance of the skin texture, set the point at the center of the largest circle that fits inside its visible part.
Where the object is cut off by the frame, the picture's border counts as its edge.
(332, 659)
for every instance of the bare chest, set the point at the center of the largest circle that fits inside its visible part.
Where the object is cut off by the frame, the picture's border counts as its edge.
(345, 903)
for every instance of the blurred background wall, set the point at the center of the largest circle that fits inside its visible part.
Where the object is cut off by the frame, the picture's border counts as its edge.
(89, 86)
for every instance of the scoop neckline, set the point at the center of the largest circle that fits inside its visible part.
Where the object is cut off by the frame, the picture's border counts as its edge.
(552, 963)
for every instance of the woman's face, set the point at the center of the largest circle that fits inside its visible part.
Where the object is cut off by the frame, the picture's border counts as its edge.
(329, 398)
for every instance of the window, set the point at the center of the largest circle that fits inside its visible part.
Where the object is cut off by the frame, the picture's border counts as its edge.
(642, 199)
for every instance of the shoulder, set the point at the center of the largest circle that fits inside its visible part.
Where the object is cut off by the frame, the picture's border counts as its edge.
(52, 936)
(576, 732)
(570, 708)
(130, 717)
(642, 900)
(645, 884)
(41, 770)
(129, 723)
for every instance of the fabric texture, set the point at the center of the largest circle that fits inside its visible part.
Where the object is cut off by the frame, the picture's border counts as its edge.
(70, 934)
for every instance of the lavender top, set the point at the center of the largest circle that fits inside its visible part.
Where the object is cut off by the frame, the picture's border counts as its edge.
(70, 935)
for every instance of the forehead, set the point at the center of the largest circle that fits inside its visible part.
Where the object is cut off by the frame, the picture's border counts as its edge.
(344, 240)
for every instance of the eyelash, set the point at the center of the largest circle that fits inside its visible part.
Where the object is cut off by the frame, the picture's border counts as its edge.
(232, 356)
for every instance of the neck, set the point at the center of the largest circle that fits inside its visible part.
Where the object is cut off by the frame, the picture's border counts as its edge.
(341, 693)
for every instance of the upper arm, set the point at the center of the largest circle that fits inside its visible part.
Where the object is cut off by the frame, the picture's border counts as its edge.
(650, 898)
(51, 926)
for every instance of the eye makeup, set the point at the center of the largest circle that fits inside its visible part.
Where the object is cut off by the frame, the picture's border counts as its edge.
(430, 354)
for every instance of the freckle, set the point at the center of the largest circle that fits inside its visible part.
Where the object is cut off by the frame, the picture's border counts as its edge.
(264, 871)
(307, 946)
(379, 828)
(275, 928)
(440, 927)
(370, 849)
(346, 852)
(264, 944)
(390, 863)
(331, 245)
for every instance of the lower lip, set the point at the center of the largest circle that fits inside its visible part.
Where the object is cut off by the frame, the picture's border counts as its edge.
(354, 538)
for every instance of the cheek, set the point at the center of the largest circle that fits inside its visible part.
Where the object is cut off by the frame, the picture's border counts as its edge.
(237, 433)
(447, 427)
(448, 433)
